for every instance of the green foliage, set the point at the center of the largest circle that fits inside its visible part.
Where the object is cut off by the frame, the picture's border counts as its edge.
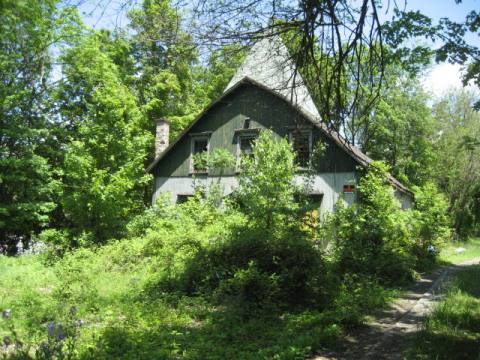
(222, 64)
(377, 238)
(28, 183)
(431, 223)
(452, 331)
(164, 57)
(266, 190)
(104, 181)
(372, 237)
(458, 168)
(356, 296)
(402, 130)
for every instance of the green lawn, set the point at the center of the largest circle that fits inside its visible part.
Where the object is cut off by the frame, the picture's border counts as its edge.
(472, 250)
(452, 331)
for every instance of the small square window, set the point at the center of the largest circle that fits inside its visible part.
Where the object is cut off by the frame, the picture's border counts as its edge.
(349, 189)
(246, 145)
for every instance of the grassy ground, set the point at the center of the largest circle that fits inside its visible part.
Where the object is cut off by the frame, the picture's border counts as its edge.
(452, 331)
(124, 317)
(472, 250)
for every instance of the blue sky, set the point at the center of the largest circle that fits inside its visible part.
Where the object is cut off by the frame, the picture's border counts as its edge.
(437, 9)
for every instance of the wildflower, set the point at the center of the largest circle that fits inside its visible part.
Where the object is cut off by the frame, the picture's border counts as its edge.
(51, 329)
(44, 347)
(7, 341)
(60, 332)
(6, 313)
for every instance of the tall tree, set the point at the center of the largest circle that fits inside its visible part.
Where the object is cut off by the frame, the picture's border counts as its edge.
(458, 167)
(164, 55)
(400, 130)
(104, 181)
(28, 30)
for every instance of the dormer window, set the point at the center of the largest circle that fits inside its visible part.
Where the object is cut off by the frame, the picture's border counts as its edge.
(198, 156)
(302, 146)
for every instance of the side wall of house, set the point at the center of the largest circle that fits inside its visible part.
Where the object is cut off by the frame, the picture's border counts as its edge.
(265, 110)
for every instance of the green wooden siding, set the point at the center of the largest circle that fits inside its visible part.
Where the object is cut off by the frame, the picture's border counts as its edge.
(265, 110)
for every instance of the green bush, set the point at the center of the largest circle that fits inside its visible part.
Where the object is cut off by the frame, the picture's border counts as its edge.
(255, 254)
(431, 224)
(357, 296)
(372, 237)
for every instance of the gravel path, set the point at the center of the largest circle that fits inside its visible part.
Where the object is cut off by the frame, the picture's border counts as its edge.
(388, 335)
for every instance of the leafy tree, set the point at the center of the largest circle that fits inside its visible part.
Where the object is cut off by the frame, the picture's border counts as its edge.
(28, 187)
(266, 191)
(164, 55)
(104, 180)
(402, 131)
(372, 237)
(458, 168)
(214, 77)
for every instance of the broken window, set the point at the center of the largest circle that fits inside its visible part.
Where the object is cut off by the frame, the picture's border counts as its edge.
(245, 146)
(199, 154)
(301, 142)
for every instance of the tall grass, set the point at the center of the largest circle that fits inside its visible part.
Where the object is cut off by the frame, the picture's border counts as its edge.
(452, 331)
(471, 250)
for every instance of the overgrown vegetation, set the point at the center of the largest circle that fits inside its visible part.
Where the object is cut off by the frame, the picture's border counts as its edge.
(251, 276)
(452, 331)
(199, 280)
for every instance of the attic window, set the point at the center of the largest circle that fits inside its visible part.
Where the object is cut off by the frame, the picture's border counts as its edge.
(199, 150)
(302, 143)
(245, 147)
(246, 123)
(349, 189)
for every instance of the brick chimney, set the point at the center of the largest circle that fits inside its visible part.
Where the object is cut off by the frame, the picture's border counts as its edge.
(162, 134)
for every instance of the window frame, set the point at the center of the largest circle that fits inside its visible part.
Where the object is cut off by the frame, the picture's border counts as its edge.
(243, 135)
(193, 139)
(291, 135)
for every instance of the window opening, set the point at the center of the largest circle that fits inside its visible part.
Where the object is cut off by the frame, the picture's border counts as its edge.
(199, 152)
(301, 142)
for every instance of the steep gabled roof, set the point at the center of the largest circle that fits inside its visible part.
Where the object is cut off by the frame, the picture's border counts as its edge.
(269, 63)
(351, 150)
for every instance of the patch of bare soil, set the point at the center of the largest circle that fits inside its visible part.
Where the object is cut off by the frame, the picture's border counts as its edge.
(388, 336)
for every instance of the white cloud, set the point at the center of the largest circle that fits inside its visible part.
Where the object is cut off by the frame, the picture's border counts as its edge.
(444, 77)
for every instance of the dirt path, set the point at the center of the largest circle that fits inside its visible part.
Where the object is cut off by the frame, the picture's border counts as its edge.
(388, 335)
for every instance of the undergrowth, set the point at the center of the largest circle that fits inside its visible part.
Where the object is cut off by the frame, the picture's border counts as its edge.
(245, 280)
(452, 331)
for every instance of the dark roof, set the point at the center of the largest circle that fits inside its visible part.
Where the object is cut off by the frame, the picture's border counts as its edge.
(351, 150)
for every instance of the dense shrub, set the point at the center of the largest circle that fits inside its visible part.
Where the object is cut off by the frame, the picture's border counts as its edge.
(255, 254)
(372, 237)
(431, 224)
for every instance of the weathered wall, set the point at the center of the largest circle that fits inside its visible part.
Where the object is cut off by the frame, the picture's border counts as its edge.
(328, 184)
(265, 111)
(406, 201)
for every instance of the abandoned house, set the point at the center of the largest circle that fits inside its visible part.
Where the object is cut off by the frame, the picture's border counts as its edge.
(266, 92)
